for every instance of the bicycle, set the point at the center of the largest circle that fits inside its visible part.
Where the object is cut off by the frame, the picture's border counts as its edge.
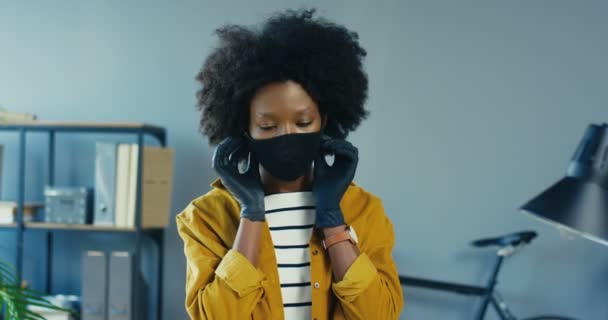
(507, 245)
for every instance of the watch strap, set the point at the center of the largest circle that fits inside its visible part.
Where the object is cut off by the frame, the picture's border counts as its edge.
(337, 238)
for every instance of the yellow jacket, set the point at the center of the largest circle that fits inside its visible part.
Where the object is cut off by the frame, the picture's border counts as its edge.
(222, 284)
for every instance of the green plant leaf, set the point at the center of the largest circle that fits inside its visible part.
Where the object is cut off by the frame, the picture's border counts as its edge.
(33, 315)
(17, 299)
(6, 275)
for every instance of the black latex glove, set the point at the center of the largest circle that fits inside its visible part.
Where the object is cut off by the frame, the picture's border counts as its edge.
(245, 187)
(330, 182)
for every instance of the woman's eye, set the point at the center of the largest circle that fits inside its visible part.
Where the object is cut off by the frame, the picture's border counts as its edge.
(267, 128)
(304, 124)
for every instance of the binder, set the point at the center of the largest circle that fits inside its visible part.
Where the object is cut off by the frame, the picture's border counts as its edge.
(1, 156)
(119, 293)
(156, 184)
(123, 163)
(132, 185)
(94, 282)
(105, 183)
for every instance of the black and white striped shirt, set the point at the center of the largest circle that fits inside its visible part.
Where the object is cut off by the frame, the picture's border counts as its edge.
(291, 217)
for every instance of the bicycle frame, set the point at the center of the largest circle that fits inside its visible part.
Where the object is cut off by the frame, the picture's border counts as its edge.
(488, 293)
(507, 245)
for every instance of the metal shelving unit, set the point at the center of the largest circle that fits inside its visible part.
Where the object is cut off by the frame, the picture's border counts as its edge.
(52, 128)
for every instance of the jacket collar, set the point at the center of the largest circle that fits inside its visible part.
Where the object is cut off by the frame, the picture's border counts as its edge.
(217, 183)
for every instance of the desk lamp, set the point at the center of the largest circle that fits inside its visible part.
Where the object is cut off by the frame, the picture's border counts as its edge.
(578, 202)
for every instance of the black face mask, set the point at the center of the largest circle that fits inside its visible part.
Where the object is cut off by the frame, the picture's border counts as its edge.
(289, 156)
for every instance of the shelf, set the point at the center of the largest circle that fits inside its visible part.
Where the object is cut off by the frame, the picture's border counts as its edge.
(73, 227)
(67, 125)
(52, 129)
(98, 127)
(76, 227)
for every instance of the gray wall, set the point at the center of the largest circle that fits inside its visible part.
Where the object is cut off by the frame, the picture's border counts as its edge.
(475, 108)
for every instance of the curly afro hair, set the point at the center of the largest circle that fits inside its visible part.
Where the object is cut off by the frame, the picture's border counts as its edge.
(323, 57)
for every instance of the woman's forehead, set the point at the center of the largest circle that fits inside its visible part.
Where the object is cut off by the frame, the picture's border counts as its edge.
(281, 97)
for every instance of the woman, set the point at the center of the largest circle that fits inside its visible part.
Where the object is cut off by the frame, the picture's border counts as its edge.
(285, 233)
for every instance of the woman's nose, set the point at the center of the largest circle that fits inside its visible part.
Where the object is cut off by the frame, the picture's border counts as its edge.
(288, 129)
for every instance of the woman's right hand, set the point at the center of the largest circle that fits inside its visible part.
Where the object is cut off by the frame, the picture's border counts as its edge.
(245, 187)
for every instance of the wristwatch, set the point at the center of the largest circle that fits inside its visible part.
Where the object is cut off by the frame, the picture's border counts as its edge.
(347, 235)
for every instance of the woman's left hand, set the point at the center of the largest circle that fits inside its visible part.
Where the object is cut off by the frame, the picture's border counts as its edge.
(330, 182)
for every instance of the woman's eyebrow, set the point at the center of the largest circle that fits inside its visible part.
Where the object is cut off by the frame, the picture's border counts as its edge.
(305, 109)
(261, 114)
(302, 110)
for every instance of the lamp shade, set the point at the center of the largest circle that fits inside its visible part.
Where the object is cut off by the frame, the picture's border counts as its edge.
(579, 201)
